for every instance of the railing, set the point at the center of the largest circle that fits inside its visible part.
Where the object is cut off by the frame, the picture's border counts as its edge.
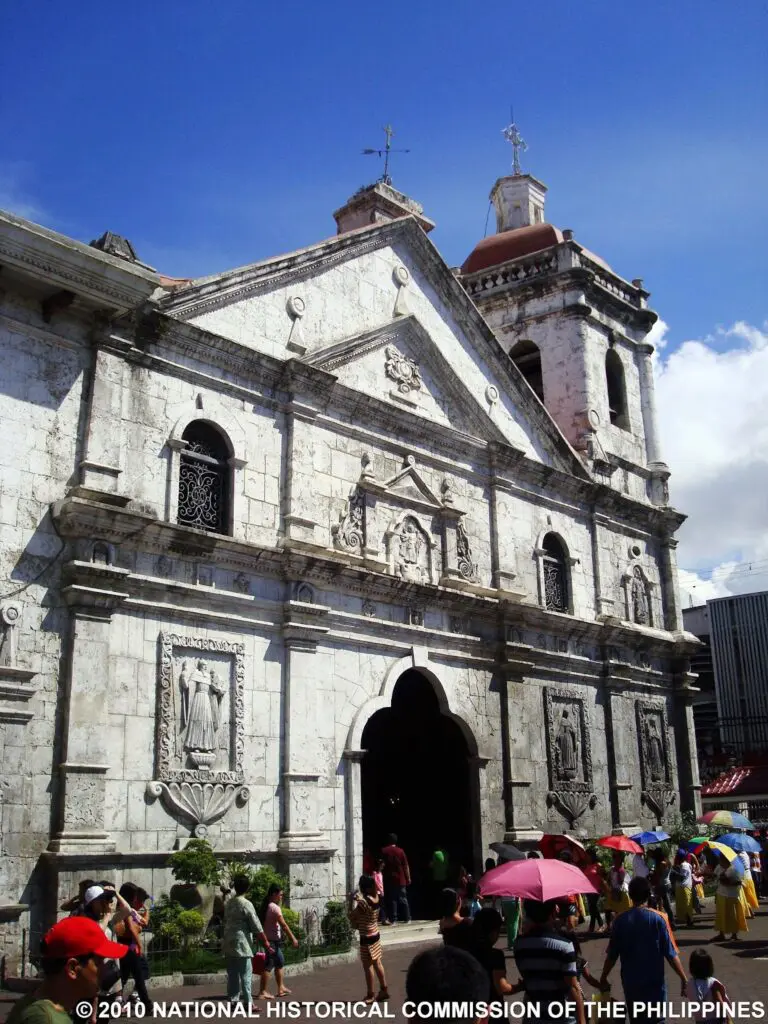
(511, 273)
(615, 285)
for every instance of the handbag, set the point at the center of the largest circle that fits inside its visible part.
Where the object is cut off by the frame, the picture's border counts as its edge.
(258, 962)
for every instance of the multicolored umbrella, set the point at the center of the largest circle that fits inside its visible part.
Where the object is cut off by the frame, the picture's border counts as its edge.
(540, 880)
(729, 818)
(647, 838)
(727, 851)
(738, 841)
(553, 845)
(622, 843)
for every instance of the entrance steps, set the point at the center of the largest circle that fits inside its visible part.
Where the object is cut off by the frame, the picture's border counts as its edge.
(414, 931)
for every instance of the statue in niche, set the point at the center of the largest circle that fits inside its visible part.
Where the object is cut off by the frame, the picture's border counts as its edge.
(410, 548)
(655, 751)
(202, 695)
(566, 742)
(640, 610)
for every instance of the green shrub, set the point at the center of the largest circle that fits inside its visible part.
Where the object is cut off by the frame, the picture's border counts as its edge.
(164, 924)
(196, 864)
(335, 926)
(261, 880)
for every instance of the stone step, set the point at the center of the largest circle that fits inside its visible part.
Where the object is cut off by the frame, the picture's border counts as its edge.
(414, 931)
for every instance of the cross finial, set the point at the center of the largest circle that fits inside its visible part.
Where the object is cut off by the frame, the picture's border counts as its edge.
(386, 152)
(512, 134)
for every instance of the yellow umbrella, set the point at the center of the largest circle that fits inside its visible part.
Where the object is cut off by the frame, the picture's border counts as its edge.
(727, 852)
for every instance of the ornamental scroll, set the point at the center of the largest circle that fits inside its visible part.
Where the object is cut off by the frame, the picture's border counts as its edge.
(569, 754)
(200, 728)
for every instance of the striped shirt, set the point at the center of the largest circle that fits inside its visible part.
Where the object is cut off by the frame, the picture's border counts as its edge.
(547, 962)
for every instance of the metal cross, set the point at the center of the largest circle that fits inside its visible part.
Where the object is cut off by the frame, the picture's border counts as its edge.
(512, 134)
(388, 132)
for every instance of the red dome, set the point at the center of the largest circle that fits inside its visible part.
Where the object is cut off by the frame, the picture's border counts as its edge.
(511, 245)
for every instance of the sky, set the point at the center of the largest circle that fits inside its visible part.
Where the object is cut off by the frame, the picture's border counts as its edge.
(213, 136)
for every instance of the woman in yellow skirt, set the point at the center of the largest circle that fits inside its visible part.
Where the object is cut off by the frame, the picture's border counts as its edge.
(748, 885)
(617, 889)
(683, 877)
(729, 909)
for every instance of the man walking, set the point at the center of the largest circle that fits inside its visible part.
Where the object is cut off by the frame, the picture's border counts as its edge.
(642, 939)
(546, 959)
(397, 876)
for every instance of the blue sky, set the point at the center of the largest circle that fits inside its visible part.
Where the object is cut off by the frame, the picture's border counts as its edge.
(216, 135)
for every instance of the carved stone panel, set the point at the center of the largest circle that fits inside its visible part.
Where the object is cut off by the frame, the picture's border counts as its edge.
(655, 767)
(411, 551)
(349, 533)
(200, 728)
(569, 753)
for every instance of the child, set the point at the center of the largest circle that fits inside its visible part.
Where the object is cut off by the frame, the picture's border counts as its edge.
(582, 967)
(364, 916)
(471, 903)
(703, 987)
(378, 877)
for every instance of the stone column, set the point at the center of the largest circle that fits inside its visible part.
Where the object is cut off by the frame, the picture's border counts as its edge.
(85, 754)
(353, 815)
(622, 758)
(685, 742)
(648, 405)
(101, 465)
(300, 832)
(670, 595)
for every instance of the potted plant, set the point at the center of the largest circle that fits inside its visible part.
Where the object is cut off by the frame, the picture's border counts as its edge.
(198, 871)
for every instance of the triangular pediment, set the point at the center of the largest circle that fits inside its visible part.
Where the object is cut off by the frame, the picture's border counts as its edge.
(340, 302)
(409, 486)
(401, 364)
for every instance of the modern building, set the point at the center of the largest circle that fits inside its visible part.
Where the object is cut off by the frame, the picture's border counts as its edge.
(337, 543)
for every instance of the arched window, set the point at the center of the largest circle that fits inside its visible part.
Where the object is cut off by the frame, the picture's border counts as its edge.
(527, 358)
(204, 479)
(555, 565)
(617, 389)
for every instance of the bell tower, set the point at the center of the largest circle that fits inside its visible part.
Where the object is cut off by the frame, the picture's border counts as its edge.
(576, 330)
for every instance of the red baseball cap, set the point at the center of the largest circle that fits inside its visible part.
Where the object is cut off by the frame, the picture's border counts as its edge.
(79, 936)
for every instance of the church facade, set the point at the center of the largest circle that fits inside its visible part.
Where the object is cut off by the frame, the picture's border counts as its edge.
(339, 543)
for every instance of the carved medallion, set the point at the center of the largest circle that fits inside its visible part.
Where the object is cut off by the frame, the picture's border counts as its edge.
(403, 371)
(200, 728)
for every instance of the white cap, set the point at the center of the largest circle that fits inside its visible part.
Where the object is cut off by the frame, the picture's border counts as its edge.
(94, 892)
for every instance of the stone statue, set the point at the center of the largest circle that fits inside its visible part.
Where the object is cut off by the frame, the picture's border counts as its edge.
(655, 751)
(566, 747)
(640, 610)
(410, 548)
(200, 715)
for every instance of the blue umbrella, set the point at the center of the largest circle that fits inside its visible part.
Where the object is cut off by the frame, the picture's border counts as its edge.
(646, 838)
(739, 842)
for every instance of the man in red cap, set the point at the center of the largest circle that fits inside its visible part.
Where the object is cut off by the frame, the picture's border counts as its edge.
(73, 953)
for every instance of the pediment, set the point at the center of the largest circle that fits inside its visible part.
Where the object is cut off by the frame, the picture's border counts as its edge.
(401, 364)
(407, 488)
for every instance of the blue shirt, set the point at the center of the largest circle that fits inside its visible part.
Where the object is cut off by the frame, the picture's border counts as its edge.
(641, 939)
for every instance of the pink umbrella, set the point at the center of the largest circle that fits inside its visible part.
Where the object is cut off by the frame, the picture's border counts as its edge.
(540, 880)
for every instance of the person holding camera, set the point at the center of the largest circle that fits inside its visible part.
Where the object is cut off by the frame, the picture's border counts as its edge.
(365, 904)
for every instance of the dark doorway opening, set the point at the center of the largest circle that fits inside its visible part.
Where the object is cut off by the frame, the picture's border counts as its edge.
(416, 782)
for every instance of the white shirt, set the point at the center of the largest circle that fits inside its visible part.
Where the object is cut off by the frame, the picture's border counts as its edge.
(744, 858)
(685, 875)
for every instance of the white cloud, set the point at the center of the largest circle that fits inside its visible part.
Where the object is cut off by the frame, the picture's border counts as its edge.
(713, 413)
(14, 195)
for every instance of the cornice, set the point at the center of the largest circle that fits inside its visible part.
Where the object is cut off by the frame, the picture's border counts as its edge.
(65, 263)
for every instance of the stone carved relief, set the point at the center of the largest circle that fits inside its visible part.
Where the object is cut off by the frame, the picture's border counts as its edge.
(467, 568)
(200, 729)
(638, 607)
(403, 371)
(305, 593)
(570, 754)
(242, 583)
(349, 533)
(10, 616)
(415, 616)
(369, 608)
(411, 552)
(657, 792)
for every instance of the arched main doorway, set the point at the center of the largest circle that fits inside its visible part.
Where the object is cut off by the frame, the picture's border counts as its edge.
(417, 781)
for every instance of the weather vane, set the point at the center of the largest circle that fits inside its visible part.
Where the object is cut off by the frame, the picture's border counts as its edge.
(388, 132)
(512, 134)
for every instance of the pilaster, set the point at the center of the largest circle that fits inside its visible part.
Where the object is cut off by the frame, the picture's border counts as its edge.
(101, 465)
(85, 752)
(619, 743)
(685, 741)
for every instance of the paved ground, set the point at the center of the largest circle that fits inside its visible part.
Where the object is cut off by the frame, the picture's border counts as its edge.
(743, 967)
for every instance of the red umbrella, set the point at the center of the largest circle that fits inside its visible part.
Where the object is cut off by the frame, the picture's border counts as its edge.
(540, 880)
(621, 843)
(551, 846)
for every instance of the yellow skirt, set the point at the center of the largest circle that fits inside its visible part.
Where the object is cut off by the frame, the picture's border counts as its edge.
(580, 905)
(620, 905)
(744, 904)
(699, 891)
(729, 915)
(683, 903)
(749, 891)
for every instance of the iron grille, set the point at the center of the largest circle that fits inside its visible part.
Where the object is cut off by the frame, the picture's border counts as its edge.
(555, 585)
(202, 489)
